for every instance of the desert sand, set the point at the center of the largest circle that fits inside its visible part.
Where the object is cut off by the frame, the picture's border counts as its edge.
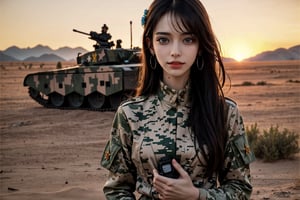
(55, 154)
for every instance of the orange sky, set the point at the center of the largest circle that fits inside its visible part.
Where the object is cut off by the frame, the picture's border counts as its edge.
(244, 28)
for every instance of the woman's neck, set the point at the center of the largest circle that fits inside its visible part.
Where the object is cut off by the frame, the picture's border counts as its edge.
(176, 83)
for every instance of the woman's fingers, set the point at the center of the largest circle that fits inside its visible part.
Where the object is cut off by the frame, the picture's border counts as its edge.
(178, 168)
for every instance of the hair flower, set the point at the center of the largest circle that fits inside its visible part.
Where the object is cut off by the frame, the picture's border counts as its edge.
(144, 17)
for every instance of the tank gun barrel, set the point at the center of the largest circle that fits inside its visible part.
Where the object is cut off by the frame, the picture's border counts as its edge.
(75, 30)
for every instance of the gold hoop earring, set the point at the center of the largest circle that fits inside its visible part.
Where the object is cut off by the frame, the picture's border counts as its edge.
(151, 62)
(202, 63)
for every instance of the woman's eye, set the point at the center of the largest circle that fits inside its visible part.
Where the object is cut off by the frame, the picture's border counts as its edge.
(163, 40)
(188, 41)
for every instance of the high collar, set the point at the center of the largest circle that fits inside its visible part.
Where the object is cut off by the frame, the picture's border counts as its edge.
(174, 97)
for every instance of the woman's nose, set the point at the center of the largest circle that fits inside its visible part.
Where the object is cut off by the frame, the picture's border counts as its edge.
(175, 51)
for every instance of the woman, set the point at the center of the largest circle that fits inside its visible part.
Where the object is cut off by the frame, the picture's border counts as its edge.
(179, 138)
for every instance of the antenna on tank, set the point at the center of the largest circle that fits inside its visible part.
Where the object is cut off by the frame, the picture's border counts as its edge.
(130, 34)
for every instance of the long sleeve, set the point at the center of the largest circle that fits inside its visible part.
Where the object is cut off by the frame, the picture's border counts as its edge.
(117, 159)
(234, 179)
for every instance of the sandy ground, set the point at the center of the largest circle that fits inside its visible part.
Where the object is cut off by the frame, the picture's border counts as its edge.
(55, 154)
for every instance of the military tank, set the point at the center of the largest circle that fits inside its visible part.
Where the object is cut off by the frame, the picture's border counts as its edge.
(100, 81)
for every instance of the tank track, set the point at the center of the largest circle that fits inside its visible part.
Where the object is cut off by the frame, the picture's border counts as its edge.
(45, 103)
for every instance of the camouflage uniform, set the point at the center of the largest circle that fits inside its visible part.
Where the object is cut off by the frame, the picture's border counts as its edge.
(148, 128)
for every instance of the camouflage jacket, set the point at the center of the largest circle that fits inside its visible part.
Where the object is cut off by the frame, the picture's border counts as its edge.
(147, 128)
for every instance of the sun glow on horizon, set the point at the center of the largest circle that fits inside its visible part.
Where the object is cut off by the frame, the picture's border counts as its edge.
(239, 57)
(239, 51)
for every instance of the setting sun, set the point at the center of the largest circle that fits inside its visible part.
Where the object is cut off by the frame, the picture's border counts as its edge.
(239, 52)
(239, 56)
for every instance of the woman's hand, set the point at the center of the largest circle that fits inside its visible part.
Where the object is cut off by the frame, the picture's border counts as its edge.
(175, 189)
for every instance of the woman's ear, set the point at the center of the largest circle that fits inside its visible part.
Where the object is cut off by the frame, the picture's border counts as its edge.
(150, 46)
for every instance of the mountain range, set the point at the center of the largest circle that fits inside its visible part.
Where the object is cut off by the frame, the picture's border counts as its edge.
(42, 53)
(292, 53)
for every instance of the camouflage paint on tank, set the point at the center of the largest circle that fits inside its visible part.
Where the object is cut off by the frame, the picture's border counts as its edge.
(105, 79)
(42, 82)
(105, 56)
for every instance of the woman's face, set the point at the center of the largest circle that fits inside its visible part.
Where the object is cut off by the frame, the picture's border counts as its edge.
(175, 50)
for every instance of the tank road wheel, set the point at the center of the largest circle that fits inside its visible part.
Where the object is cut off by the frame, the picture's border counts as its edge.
(116, 99)
(96, 100)
(57, 99)
(75, 100)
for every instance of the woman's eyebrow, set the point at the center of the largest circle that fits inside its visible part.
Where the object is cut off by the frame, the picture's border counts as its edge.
(162, 33)
(167, 33)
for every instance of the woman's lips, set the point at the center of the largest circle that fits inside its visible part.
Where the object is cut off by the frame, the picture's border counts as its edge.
(175, 64)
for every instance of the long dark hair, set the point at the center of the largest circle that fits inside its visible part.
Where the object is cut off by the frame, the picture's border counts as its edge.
(207, 115)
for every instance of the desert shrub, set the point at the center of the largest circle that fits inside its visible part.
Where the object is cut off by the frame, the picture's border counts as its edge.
(247, 83)
(58, 65)
(42, 65)
(293, 81)
(261, 83)
(252, 134)
(24, 65)
(273, 144)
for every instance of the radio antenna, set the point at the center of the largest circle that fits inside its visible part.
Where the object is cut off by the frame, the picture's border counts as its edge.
(130, 34)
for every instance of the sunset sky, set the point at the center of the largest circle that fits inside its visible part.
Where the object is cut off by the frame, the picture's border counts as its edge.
(244, 28)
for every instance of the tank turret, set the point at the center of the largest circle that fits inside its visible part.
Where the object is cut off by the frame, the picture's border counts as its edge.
(100, 81)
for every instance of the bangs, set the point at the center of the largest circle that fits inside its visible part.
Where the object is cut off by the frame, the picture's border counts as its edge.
(179, 21)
